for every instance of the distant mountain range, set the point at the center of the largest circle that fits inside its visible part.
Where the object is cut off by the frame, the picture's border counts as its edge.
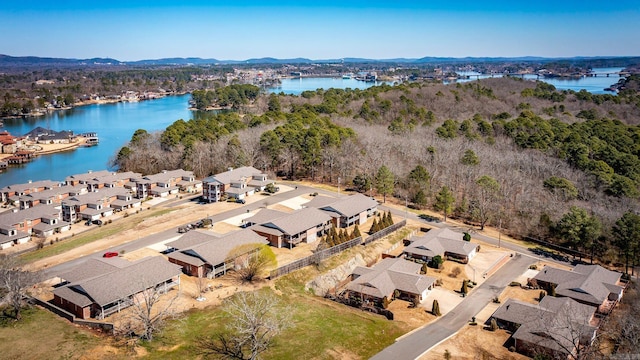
(34, 61)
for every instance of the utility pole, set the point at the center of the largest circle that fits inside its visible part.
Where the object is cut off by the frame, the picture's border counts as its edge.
(499, 232)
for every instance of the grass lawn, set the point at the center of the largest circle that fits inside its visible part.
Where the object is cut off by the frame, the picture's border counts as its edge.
(321, 328)
(43, 335)
(91, 235)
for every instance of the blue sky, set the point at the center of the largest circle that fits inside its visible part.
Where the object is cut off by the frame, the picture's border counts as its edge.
(134, 30)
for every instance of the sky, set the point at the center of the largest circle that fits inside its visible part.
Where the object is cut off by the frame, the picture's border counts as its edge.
(239, 30)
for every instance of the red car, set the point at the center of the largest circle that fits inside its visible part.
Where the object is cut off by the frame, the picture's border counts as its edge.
(110, 254)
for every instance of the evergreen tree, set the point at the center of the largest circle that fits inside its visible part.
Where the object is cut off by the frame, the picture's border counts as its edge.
(444, 201)
(374, 226)
(435, 308)
(465, 287)
(356, 232)
(390, 218)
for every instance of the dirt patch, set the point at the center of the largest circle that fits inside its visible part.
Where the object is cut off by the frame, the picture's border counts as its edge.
(341, 353)
(404, 312)
(222, 227)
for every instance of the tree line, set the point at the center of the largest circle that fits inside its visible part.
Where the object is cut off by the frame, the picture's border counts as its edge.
(456, 149)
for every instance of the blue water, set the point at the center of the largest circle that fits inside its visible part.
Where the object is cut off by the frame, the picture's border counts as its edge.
(297, 85)
(114, 123)
(595, 85)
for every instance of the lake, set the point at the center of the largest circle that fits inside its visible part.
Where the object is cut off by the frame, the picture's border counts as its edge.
(595, 85)
(295, 86)
(115, 123)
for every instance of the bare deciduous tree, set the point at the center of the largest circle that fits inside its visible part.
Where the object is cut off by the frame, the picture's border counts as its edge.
(150, 310)
(254, 319)
(15, 283)
(252, 260)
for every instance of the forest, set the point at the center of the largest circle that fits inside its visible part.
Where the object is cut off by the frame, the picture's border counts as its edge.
(562, 166)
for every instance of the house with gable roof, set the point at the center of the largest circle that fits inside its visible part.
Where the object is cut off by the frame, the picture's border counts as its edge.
(588, 284)
(388, 276)
(201, 253)
(557, 327)
(29, 221)
(166, 183)
(444, 242)
(346, 211)
(304, 225)
(100, 287)
(235, 183)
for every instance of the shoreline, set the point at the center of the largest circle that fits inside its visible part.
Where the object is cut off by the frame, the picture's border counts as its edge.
(43, 112)
(47, 149)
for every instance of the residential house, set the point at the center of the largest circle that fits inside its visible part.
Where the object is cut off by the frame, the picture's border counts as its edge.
(164, 184)
(100, 287)
(388, 278)
(263, 216)
(27, 222)
(201, 253)
(97, 204)
(588, 284)
(112, 180)
(9, 236)
(557, 327)
(83, 179)
(305, 225)
(44, 197)
(444, 242)
(346, 211)
(235, 183)
(13, 192)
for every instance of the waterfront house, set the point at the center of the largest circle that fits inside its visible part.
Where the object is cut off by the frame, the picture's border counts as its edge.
(390, 277)
(588, 284)
(444, 242)
(101, 287)
(235, 183)
(346, 211)
(305, 225)
(557, 327)
(201, 253)
(44, 197)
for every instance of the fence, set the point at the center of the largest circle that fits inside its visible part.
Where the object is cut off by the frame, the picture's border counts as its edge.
(103, 326)
(315, 258)
(384, 232)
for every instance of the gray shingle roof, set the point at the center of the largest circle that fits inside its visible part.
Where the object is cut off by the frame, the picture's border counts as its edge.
(553, 323)
(299, 221)
(351, 205)
(439, 241)
(265, 215)
(36, 212)
(388, 275)
(233, 175)
(192, 238)
(92, 268)
(218, 250)
(589, 283)
(124, 282)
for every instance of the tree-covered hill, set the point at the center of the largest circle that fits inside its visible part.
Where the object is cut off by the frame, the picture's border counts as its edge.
(541, 162)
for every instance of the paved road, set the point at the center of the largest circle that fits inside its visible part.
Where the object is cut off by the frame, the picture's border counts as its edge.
(168, 234)
(489, 240)
(419, 342)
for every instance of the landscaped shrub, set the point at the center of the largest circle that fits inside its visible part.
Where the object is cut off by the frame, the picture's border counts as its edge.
(541, 296)
(493, 325)
(515, 283)
(455, 272)
(435, 308)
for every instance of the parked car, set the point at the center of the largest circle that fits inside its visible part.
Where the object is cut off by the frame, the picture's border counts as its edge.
(98, 222)
(87, 223)
(110, 254)
(240, 201)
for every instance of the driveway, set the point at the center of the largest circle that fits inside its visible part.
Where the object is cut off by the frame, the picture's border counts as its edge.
(419, 342)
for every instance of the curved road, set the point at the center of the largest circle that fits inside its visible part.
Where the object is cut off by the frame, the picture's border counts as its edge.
(414, 345)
